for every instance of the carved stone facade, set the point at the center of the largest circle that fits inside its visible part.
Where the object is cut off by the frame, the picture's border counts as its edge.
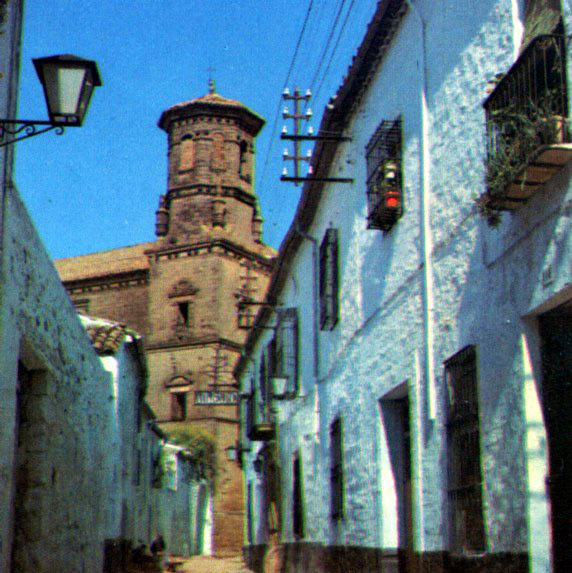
(184, 291)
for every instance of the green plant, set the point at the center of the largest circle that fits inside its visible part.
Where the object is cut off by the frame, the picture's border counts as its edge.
(518, 132)
(201, 446)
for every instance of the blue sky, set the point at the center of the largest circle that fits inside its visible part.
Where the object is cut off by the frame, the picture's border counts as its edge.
(97, 187)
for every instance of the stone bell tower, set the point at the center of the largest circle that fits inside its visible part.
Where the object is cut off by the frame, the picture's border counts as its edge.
(207, 261)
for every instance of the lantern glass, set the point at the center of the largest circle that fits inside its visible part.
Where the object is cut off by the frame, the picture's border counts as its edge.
(68, 83)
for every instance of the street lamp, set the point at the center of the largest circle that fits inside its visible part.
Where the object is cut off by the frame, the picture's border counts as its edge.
(68, 83)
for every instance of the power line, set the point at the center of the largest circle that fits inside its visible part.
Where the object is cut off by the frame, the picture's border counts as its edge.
(328, 42)
(277, 114)
(325, 74)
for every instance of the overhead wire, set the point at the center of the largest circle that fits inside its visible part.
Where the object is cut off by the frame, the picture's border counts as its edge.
(277, 114)
(337, 43)
(333, 27)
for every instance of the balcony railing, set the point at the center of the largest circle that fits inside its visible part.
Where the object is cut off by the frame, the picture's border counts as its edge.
(259, 419)
(527, 124)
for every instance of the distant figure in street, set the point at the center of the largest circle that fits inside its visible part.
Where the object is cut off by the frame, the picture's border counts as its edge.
(158, 547)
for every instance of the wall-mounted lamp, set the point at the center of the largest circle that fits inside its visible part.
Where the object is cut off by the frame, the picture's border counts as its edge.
(68, 83)
(232, 453)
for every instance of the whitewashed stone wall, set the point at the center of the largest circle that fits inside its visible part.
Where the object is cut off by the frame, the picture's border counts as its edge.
(442, 279)
(60, 508)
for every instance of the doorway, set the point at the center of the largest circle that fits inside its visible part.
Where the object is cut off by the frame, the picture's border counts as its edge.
(397, 423)
(556, 354)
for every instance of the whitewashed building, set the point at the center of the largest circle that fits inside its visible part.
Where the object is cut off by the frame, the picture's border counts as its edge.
(154, 488)
(406, 396)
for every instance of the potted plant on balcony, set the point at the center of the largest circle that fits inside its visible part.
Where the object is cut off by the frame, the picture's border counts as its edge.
(519, 132)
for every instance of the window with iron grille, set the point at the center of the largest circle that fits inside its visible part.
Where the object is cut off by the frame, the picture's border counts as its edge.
(336, 471)
(464, 454)
(298, 499)
(329, 300)
(384, 176)
(285, 350)
(264, 387)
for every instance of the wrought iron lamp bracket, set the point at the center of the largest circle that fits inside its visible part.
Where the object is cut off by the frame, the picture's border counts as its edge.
(21, 129)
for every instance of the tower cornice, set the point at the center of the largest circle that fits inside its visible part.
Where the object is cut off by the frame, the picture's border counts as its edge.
(213, 105)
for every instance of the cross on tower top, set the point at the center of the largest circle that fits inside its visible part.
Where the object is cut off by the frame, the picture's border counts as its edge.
(212, 82)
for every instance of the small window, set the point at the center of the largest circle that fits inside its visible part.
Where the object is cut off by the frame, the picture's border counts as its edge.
(297, 497)
(184, 318)
(187, 153)
(464, 454)
(384, 176)
(178, 406)
(218, 158)
(329, 298)
(243, 170)
(285, 350)
(336, 471)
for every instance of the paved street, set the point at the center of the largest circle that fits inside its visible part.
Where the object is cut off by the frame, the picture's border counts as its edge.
(203, 564)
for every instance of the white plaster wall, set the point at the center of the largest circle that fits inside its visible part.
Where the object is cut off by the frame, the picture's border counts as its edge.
(39, 325)
(121, 508)
(483, 283)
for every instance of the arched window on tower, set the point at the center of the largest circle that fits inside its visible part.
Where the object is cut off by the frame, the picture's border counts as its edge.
(243, 170)
(218, 155)
(187, 153)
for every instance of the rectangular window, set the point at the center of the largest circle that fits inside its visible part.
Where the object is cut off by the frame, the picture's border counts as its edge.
(178, 406)
(464, 453)
(329, 298)
(336, 470)
(285, 349)
(297, 495)
(185, 318)
(263, 385)
(384, 176)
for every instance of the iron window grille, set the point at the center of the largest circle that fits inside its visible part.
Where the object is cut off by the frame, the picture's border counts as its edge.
(329, 296)
(464, 454)
(528, 107)
(285, 349)
(265, 387)
(336, 471)
(384, 176)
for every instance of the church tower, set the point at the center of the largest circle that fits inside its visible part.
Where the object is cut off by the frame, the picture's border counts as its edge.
(207, 262)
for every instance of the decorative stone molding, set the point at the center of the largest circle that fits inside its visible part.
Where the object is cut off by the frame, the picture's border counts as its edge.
(183, 288)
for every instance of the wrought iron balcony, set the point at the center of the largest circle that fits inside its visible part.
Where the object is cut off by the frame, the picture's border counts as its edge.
(528, 135)
(259, 419)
